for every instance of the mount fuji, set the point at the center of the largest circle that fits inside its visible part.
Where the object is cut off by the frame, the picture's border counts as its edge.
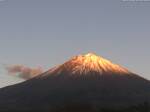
(84, 83)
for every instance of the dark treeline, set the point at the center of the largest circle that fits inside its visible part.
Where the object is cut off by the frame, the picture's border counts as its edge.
(145, 107)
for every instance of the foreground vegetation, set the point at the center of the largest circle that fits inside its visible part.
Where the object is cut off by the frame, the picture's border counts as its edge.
(145, 107)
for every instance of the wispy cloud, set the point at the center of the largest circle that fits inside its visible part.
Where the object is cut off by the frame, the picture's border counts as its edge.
(23, 71)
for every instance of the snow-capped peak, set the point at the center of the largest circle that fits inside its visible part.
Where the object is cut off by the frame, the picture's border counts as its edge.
(83, 64)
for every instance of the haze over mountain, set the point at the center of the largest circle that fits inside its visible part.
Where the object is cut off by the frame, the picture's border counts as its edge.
(83, 81)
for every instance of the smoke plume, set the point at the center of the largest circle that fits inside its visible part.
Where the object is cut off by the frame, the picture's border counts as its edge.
(23, 71)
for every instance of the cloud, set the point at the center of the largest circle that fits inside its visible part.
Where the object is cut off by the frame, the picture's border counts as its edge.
(23, 71)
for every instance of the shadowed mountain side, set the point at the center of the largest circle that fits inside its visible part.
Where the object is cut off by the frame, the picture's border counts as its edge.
(48, 92)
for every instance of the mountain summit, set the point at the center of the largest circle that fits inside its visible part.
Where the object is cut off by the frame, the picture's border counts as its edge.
(83, 64)
(90, 63)
(84, 83)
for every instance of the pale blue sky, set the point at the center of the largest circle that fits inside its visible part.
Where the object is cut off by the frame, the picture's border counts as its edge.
(48, 32)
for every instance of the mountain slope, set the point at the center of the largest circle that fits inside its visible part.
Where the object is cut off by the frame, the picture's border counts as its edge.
(83, 64)
(84, 80)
